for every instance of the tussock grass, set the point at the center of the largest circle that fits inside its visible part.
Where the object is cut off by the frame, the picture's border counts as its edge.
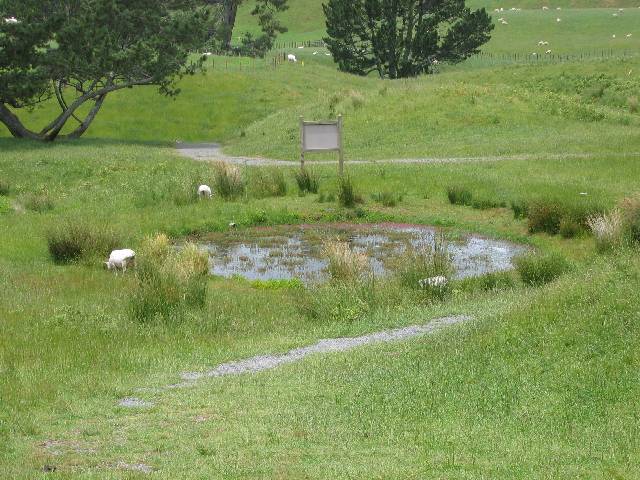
(168, 282)
(307, 180)
(347, 196)
(427, 260)
(537, 269)
(40, 202)
(269, 182)
(5, 188)
(229, 182)
(74, 240)
(346, 264)
(387, 198)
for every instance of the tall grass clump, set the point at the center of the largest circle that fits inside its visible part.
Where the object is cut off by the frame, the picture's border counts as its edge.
(345, 264)
(347, 197)
(5, 188)
(425, 261)
(459, 195)
(545, 216)
(75, 240)
(634, 105)
(37, 202)
(307, 180)
(387, 198)
(229, 183)
(268, 183)
(538, 269)
(168, 281)
(607, 229)
(630, 209)
(520, 209)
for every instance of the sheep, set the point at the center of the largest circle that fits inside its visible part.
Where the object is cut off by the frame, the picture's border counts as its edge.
(548, 52)
(628, 35)
(315, 53)
(121, 259)
(545, 7)
(328, 54)
(292, 58)
(504, 22)
(534, 54)
(207, 54)
(300, 48)
(11, 20)
(615, 14)
(438, 282)
(558, 19)
(613, 36)
(204, 191)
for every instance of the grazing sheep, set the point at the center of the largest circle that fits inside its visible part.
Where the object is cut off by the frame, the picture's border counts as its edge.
(233, 225)
(628, 35)
(204, 191)
(315, 53)
(545, 8)
(11, 20)
(548, 52)
(504, 22)
(121, 259)
(558, 20)
(613, 36)
(292, 58)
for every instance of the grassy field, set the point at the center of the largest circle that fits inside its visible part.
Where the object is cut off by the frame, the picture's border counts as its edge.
(542, 383)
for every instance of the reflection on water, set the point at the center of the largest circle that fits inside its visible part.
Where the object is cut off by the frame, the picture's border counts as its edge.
(295, 252)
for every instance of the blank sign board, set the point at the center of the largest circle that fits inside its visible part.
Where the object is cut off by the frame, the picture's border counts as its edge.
(318, 137)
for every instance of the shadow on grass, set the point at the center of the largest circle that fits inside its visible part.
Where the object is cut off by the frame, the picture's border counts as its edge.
(9, 144)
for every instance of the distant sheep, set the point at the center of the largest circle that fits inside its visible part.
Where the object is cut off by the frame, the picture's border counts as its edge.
(204, 191)
(437, 282)
(548, 52)
(121, 259)
(292, 58)
(11, 20)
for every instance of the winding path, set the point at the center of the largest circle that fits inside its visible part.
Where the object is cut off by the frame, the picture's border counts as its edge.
(212, 152)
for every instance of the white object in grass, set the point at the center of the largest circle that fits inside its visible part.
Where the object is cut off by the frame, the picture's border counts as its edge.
(11, 20)
(558, 19)
(121, 259)
(548, 52)
(292, 58)
(204, 191)
(439, 281)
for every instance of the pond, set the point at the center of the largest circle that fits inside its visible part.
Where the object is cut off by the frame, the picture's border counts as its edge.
(281, 253)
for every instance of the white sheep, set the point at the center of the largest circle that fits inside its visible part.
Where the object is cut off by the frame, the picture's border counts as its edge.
(11, 20)
(548, 52)
(558, 20)
(292, 58)
(545, 7)
(207, 54)
(628, 35)
(204, 191)
(315, 53)
(613, 36)
(121, 259)
(438, 282)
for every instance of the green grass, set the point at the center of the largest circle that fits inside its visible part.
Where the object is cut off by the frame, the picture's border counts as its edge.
(543, 384)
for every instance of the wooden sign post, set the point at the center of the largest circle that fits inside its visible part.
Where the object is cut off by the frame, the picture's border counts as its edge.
(321, 137)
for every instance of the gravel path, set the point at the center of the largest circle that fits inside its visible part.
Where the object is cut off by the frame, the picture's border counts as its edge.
(212, 152)
(262, 363)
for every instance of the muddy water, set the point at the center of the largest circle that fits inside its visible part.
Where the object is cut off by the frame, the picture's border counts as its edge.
(295, 252)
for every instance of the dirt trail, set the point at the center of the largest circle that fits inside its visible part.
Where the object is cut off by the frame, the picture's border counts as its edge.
(261, 363)
(212, 152)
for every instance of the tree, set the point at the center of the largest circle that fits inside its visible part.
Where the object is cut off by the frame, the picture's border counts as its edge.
(402, 38)
(87, 49)
(265, 10)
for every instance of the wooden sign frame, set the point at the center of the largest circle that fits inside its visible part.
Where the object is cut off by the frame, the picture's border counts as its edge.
(324, 136)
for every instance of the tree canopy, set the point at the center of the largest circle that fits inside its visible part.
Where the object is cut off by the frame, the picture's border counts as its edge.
(402, 38)
(79, 51)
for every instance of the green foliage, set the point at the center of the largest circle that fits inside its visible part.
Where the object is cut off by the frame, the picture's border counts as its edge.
(5, 188)
(168, 282)
(459, 195)
(347, 197)
(37, 202)
(545, 216)
(290, 284)
(75, 240)
(402, 38)
(537, 269)
(307, 180)
(569, 228)
(387, 198)
(520, 208)
(424, 261)
(268, 183)
(342, 302)
(489, 282)
(229, 183)
(93, 48)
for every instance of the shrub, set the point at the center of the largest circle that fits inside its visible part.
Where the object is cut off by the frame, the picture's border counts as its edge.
(345, 264)
(489, 282)
(538, 269)
(387, 199)
(608, 229)
(486, 204)
(520, 209)
(569, 228)
(5, 188)
(307, 181)
(168, 281)
(545, 216)
(347, 196)
(459, 195)
(229, 183)
(630, 209)
(424, 261)
(268, 183)
(37, 202)
(74, 241)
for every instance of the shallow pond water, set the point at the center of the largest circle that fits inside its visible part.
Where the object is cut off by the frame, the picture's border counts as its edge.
(295, 251)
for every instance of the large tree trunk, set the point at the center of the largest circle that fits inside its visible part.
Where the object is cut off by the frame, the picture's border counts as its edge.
(229, 12)
(15, 126)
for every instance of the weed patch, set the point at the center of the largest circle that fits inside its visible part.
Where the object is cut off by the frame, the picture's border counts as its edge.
(537, 269)
(74, 240)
